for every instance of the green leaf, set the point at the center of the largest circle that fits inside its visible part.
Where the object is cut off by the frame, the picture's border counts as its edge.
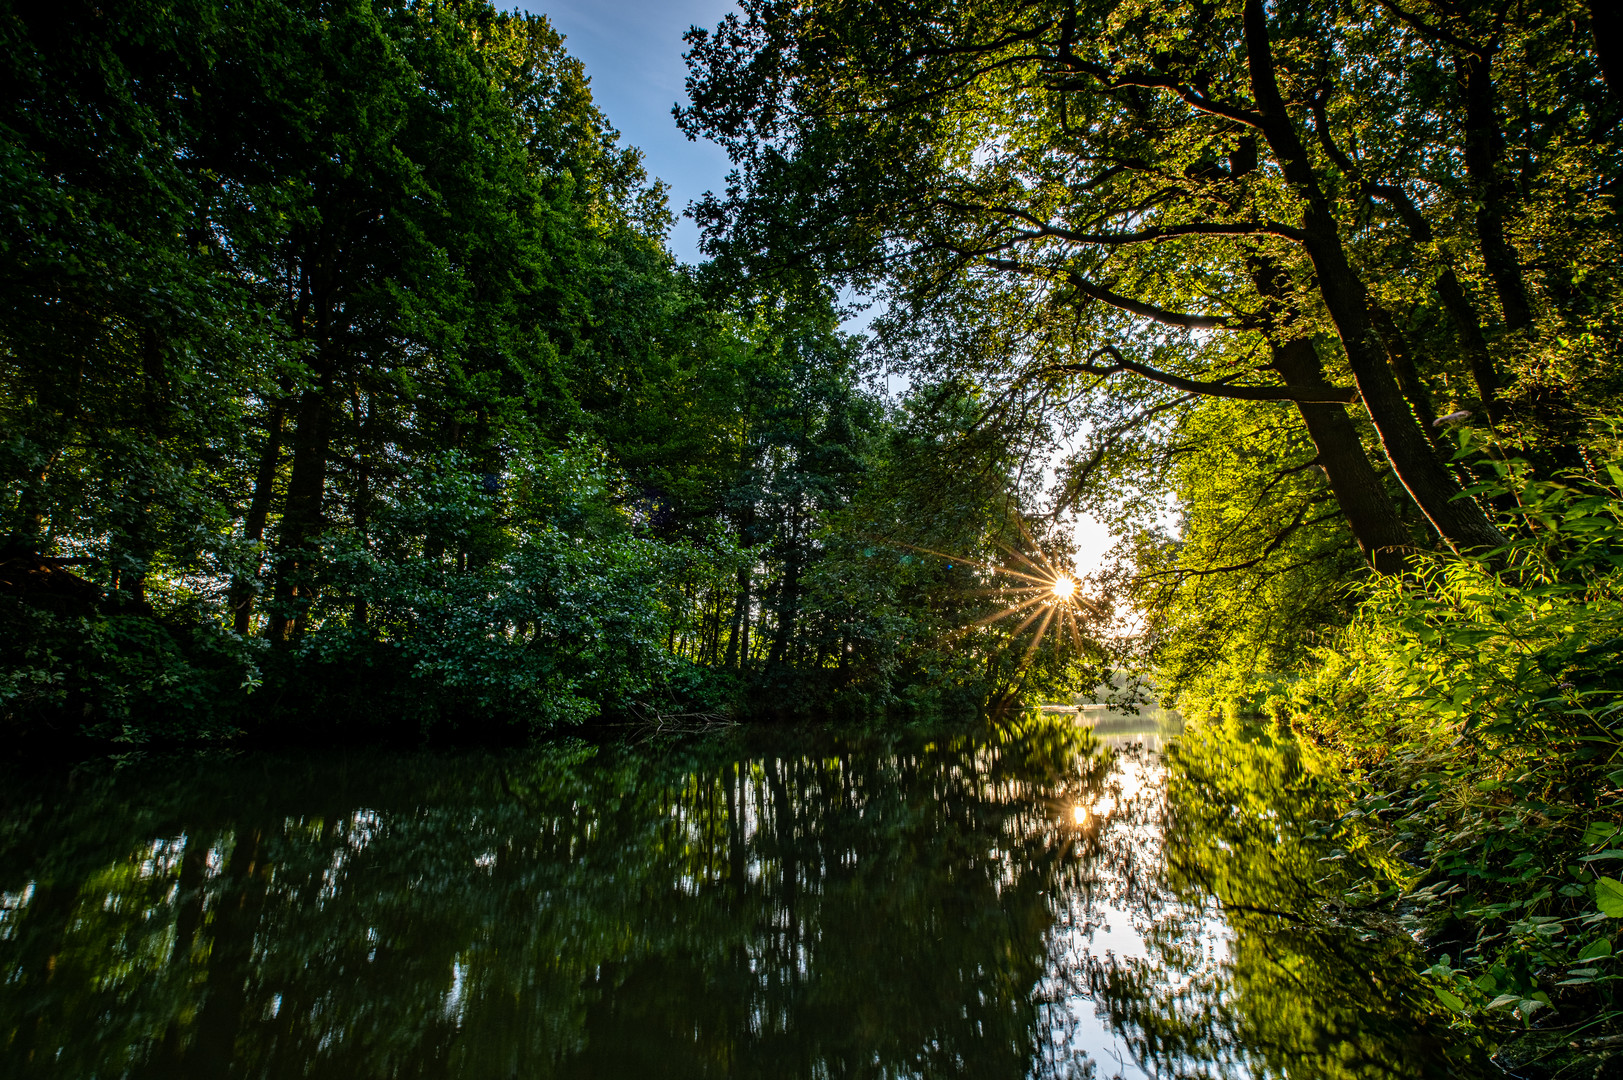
(1609, 853)
(1598, 831)
(1449, 999)
(1596, 949)
(1502, 1000)
(1609, 897)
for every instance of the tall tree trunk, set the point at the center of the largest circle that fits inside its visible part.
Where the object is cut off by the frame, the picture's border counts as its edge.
(788, 591)
(1484, 146)
(363, 515)
(788, 607)
(1458, 519)
(1468, 329)
(738, 631)
(132, 553)
(1606, 23)
(253, 526)
(301, 514)
(712, 645)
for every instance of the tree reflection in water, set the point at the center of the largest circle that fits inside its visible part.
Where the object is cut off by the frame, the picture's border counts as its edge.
(1011, 902)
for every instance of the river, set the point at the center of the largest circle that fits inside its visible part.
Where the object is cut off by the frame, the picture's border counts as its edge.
(1017, 899)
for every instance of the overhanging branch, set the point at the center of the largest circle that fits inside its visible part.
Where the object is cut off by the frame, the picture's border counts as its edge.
(1313, 395)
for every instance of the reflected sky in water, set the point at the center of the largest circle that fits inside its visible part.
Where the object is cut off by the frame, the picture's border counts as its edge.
(1022, 899)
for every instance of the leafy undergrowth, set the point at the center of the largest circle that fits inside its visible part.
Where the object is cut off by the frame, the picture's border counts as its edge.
(1477, 704)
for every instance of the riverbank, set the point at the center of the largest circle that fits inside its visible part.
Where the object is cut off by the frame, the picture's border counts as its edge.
(1475, 708)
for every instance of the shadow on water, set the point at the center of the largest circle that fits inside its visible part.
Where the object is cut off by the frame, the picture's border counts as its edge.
(1018, 901)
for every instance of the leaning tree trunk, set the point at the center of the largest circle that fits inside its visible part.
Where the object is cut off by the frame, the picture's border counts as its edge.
(1370, 512)
(1457, 518)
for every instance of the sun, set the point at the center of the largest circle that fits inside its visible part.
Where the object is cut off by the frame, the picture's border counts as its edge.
(1032, 592)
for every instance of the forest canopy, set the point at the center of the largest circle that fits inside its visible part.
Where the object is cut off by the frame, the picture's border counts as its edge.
(1265, 261)
(348, 381)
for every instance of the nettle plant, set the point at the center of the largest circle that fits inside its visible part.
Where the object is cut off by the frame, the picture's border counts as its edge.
(1481, 699)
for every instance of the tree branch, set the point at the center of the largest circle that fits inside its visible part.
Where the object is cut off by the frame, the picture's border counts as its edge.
(1325, 395)
(1170, 232)
(1116, 300)
(1151, 311)
(1427, 30)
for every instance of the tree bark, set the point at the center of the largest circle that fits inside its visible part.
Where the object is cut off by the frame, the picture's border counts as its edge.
(1469, 331)
(738, 631)
(788, 607)
(253, 526)
(1458, 519)
(1484, 146)
(1370, 512)
(1371, 515)
(363, 517)
(1461, 312)
(301, 515)
(1407, 375)
(1606, 23)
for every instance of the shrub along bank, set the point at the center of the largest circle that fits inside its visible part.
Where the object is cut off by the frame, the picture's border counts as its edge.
(1477, 703)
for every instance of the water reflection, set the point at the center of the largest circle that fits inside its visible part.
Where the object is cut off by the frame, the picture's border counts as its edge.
(1012, 902)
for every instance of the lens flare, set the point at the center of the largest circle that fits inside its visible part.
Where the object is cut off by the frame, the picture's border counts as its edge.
(1030, 593)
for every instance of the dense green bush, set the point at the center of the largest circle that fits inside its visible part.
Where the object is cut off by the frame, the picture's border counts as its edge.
(1479, 703)
(126, 677)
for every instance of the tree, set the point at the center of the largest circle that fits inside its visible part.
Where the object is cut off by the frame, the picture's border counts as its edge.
(1148, 181)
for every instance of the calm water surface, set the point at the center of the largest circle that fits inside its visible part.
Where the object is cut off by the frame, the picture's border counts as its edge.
(1019, 900)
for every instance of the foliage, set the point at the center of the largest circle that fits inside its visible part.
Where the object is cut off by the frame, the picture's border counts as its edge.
(1103, 209)
(1478, 701)
(120, 677)
(1258, 560)
(344, 372)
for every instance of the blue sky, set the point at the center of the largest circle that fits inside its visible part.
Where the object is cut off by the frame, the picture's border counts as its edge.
(632, 50)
